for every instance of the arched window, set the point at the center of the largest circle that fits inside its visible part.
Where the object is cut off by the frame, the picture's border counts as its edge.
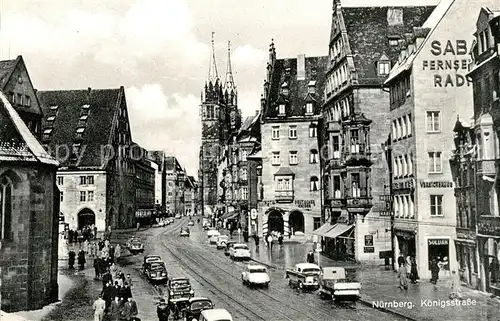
(6, 188)
(314, 156)
(314, 183)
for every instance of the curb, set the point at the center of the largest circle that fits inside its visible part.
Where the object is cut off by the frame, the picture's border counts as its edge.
(276, 267)
(389, 311)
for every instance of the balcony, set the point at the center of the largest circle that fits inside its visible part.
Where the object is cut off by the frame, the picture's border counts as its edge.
(336, 199)
(486, 167)
(356, 155)
(334, 163)
(358, 200)
(489, 225)
(284, 196)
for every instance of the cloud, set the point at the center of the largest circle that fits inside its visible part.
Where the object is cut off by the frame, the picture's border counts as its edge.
(166, 122)
(248, 55)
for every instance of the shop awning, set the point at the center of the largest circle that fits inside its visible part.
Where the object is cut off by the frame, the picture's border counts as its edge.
(323, 229)
(337, 230)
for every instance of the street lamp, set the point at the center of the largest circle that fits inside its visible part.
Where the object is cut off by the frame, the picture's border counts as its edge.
(387, 147)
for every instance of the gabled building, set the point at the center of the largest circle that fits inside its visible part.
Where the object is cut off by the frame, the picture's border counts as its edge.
(429, 86)
(29, 216)
(88, 132)
(158, 157)
(190, 190)
(485, 76)
(145, 171)
(290, 109)
(175, 178)
(364, 44)
(15, 82)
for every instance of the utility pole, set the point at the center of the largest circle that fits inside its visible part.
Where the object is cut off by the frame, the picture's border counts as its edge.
(388, 153)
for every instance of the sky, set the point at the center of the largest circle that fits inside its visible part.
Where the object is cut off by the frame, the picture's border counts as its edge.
(159, 51)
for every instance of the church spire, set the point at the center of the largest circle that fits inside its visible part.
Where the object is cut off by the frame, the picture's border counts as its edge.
(229, 84)
(212, 71)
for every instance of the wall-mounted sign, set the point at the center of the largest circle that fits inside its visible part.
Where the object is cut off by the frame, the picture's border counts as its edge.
(307, 204)
(253, 214)
(408, 184)
(370, 249)
(436, 184)
(489, 226)
(438, 242)
(384, 213)
(449, 71)
(368, 240)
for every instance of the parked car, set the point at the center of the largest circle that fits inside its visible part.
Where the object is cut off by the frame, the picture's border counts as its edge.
(196, 306)
(229, 246)
(239, 251)
(215, 315)
(334, 285)
(135, 247)
(212, 232)
(179, 288)
(156, 272)
(130, 240)
(222, 241)
(150, 259)
(178, 216)
(190, 223)
(255, 275)
(214, 237)
(184, 231)
(305, 276)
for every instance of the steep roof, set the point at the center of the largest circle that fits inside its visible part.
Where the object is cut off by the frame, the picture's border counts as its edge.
(369, 29)
(285, 71)
(103, 105)
(17, 143)
(6, 69)
(171, 163)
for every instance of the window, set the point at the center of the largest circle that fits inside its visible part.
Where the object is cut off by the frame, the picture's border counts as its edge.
(61, 196)
(433, 122)
(210, 111)
(12, 97)
(90, 180)
(314, 184)
(313, 156)
(336, 147)
(393, 42)
(408, 125)
(244, 155)
(83, 196)
(79, 132)
(399, 128)
(337, 192)
(281, 109)
(60, 180)
(6, 188)
(83, 180)
(90, 196)
(355, 188)
(436, 205)
(284, 184)
(244, 174)
(276, 158)
(354, 141)
(276, 133)
(435, 162)
(384, 67)
(316, 223)
(170, 194)
(309, 108)
(293, 158)
(27, 101)
(313, 131)
(292, 132)
(20, 99)
(244, 193)
(404, 127)
(394, 131)
(404, 164)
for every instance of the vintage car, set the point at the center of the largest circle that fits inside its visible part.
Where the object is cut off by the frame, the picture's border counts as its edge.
(255, 275)
(333, 284)
(156, 272)
(184, 231)
(189, 309)
(179, 288)
(305, 276)
(136, 246)
(214, 237)
(190, 223)
(150, 259)
(130, 240)
(229, 246)
(215, 315)
(178, 216)
(222, 241)
(239, 251)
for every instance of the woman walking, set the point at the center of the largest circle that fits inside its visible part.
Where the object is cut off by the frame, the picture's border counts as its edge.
(414, 272)
(456, 292)
(403, 278)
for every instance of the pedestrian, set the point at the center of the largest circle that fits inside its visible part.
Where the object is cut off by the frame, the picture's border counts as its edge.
(270, 241)
(401, 259)
(86, 247)
(118, 252)
(81, 259)
(456, 292)
(119, 279)
(280, 238)
(99, 307)
(128, 279)
(434, 271)
(93, 250)
(113, 269)
(414, 271)
(257, 240)
(494, 270)
(134, 311)
(106, 277)
(95, 231)
(115, 309)
(107, 294)
(97, 267)
(126, 291)
(310, 257)
(163, 310)
(71, 259)
(403, 278)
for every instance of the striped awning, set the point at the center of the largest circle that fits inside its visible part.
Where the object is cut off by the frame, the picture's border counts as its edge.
(323, 229)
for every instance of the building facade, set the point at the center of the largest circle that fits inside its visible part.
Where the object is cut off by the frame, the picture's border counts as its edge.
(290, 110)
(145, 178)
(175, 178)
(88, 132)
(190, 191)
(355, 118)
(485, 76)
(158, 157)
(29, 220)
(428, 87)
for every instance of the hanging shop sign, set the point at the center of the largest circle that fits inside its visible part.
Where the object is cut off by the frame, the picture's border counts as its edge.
(438, 242)
(436, 184)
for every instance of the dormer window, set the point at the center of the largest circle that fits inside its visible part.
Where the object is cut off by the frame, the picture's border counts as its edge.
(46, 133)
(311, 87)
(309, 108)
(54, 107)
(393, 41)
(79, 132)
(51, 118)
(86, 106)
(384, 67)
(281, 109)
(284, 89)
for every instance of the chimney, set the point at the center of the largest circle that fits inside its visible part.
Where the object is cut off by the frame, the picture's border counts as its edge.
(301, 67)
(395, 16)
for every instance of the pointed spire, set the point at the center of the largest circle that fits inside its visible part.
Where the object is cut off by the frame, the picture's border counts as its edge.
(229, 84)
(212, 71)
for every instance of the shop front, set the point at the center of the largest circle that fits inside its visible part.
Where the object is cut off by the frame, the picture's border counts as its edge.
(465, 245)
(489, 253)
(338, 239)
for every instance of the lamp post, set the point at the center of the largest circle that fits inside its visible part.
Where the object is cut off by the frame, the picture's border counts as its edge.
(387, 146)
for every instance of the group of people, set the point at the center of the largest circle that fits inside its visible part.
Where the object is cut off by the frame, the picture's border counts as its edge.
(407, 272)
(88, 232)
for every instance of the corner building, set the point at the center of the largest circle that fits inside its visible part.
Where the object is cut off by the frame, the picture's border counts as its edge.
(290, 166)
(429, 89)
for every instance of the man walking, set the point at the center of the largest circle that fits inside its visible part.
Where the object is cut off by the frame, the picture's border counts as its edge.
(310, 257)
(270, 242)
(163, 311)
(99, 307)
(115, 309)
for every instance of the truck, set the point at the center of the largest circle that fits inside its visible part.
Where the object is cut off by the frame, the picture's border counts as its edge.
(304, 276)
(333, 285)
